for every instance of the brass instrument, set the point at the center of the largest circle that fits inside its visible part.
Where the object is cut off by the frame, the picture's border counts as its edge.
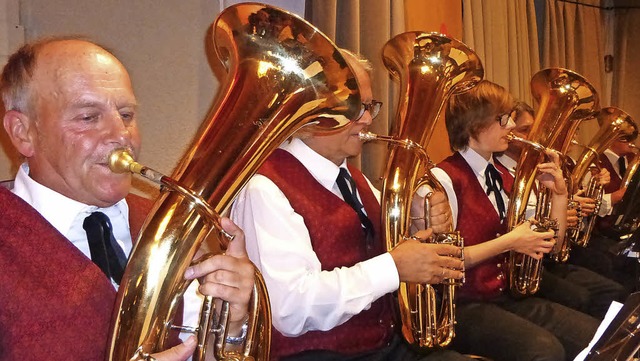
(614, 123)
(430, 67)
(634, 164)
(282, 74)
(626, 213)
(565, 98)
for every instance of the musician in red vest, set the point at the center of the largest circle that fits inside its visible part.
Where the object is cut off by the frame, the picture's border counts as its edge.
(603, 253)
(616, 160)
(491, 322)
(66, 228)
(571, 285)
(312, 224)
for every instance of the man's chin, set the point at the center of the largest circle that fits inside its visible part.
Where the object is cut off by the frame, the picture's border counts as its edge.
(112, 193)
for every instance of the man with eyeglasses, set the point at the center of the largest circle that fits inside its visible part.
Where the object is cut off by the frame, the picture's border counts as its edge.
(312, 225)
(491, 322)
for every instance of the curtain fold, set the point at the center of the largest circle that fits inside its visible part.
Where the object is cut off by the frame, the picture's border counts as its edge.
(504, 34)
(574, 39)
(626, 74)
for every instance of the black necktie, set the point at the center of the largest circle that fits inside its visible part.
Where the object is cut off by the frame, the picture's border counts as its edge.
(493, 180)
(106, 253)
(348, 189)
(622, 166)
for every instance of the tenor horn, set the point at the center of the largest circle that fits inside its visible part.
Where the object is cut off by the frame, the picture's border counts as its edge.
(282, 74)
(430, 67)
(565, 98)
(614, 123)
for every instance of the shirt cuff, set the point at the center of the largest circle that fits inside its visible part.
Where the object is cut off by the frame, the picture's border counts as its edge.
(383, 274)
(605, 206)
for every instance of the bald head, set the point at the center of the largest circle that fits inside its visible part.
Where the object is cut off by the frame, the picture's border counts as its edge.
(48, 57)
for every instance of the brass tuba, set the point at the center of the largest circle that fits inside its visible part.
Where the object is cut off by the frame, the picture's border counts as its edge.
(614, 123)
(626, 212)
(430, 67)
(565, 98)
(282, 74)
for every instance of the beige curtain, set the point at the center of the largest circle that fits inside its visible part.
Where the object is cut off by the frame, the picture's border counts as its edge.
(504, 34)
(626, 72)
(574, 39)
(364, 26)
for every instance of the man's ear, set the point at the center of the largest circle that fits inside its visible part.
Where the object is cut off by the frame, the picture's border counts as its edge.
(17, 125)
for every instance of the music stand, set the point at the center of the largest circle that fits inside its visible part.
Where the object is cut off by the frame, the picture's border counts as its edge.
(621, 340)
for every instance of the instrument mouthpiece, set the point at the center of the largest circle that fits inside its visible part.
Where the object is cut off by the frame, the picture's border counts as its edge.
(121, 161)
(367, 136)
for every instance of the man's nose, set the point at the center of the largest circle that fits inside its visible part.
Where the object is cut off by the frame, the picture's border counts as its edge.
(365, 119)
(118, 129)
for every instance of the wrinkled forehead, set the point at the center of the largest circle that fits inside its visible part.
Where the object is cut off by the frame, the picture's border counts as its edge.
(67, 70)
(66, 59)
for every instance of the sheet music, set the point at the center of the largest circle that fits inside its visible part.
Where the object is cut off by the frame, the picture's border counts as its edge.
(613, 310)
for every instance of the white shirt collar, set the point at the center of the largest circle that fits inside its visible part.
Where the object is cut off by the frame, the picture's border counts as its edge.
(321, 168)
(508, 162)
(477, 163)
(56, 208)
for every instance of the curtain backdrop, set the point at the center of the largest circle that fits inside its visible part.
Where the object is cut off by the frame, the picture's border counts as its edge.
(504, 34)
(626, 72)
(574, 39)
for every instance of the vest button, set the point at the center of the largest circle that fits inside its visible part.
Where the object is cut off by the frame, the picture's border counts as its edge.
(500, 276)
(498, 234)
(499, 265)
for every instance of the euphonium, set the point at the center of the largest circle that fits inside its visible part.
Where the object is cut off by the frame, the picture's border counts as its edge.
(625, 213)
(282, 74)
(614, 123)
(633, 165)
(430, 67)
(564, 98)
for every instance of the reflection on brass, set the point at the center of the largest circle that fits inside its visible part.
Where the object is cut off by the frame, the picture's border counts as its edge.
(282, 74)
(565, 99)
(430, 67)
(614, 124)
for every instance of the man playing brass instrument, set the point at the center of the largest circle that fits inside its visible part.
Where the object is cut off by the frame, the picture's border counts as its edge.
(570, 285)
(313, 229)
(491, 322)
(69, 103)
(600, 254)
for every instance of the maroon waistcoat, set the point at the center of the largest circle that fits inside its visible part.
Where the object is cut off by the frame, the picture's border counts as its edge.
(338, 240)
(603, 223)
(55, 303)
(478, 222)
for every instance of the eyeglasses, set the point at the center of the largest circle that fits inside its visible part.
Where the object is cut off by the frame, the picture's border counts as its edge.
(504, 118)
(373, 107)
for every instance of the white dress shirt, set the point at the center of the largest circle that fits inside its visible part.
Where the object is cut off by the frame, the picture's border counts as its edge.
(478, 164)
(511, 165)
(67, 216)
(303, 297)
(606, 207)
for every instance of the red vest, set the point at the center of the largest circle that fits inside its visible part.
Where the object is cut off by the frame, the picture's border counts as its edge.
(478, 222)
(338, 240)
(55, 303)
